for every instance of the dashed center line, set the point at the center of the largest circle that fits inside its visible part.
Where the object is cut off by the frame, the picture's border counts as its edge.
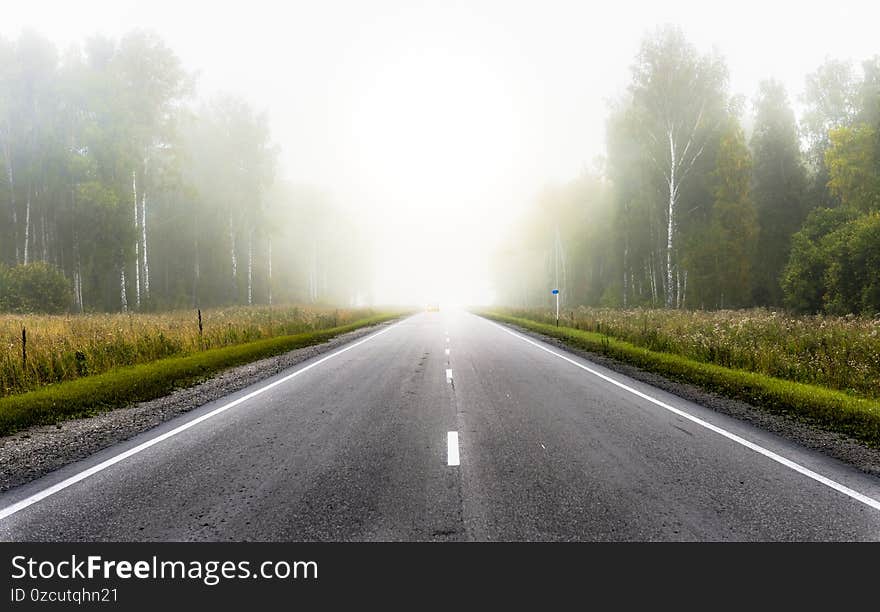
(447, 352)
(448, 374)
(452, 448)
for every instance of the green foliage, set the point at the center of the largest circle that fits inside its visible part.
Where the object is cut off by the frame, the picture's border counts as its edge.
(853, 260)
(853, 160)
(679, 104)
(721, 256)
(834, 264)
(34, 288)
(148, 202)
(803, 281)
(833, 410)
(736, 238)
(726, 237)
(830, 95)
(778, 188)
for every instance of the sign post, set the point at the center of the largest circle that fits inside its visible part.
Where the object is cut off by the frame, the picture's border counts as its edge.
(556, 293)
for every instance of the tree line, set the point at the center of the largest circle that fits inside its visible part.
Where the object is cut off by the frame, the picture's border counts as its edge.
(704, 200)
(122, 186)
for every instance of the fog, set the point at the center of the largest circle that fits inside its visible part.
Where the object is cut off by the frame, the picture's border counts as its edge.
(435, 126)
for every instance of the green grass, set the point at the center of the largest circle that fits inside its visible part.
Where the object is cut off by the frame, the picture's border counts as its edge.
(827, 408)
(126, 385)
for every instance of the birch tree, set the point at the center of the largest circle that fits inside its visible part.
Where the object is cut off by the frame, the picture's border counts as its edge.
(679, 97)
(140, 201)
(7, 76)
(154, 86)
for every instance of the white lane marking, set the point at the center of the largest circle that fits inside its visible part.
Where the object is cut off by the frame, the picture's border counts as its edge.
(36, 497)
(452, 448)
(861, 497)
(447, 341)
(448, 374)
(447, 352)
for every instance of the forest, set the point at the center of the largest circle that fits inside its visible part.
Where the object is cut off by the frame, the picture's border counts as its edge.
(706, 200)
(123, 190)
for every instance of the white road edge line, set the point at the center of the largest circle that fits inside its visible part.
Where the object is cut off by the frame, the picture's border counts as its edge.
(452, 448)
(868, 501)
(36, 497)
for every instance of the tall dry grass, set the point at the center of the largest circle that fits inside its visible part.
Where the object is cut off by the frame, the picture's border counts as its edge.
(61, 348)
(838, 352)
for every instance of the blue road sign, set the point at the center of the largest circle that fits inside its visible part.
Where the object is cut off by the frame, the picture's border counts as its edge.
(555, 291)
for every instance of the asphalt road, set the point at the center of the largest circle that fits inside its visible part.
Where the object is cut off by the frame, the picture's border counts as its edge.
(357, 445)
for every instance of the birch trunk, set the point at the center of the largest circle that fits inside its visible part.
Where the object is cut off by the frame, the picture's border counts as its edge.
(196, 273)
(122, 291)
(79, 290)
(44, 242)
(27, 225)
(146, 264)
(77, 274)
(250, 272)
(10, 179)
(625, 277)
(269, 271)
(677, 289)
(137, 250)
(234, 259)
(670, 222)
(684, 288)
(76, 294)
(562, 294)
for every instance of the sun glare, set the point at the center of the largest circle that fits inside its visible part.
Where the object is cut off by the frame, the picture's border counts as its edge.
(436, 133)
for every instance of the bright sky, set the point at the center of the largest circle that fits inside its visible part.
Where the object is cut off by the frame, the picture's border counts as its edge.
(436, 121)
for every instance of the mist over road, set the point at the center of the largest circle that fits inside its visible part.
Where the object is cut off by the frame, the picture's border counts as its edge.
(446, 426)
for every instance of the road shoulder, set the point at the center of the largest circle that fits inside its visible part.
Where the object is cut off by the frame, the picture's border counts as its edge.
(37, 451)
(836, 445)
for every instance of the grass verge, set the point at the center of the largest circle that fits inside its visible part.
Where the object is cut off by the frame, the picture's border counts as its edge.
(829, 409)
(127, 385)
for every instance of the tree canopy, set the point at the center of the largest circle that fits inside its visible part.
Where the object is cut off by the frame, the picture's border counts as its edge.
(142, 196)
(689, 212)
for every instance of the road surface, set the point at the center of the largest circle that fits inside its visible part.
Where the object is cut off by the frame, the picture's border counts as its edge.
(446, 426)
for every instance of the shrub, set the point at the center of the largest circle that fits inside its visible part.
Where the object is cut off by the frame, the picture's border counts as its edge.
(833, 264)
(34, 288)
(803, 281)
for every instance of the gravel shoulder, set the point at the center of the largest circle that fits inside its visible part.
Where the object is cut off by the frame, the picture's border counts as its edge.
(832, 444)
(34, 452)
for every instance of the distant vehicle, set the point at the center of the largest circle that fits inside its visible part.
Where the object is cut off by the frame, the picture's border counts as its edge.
(433, 307)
